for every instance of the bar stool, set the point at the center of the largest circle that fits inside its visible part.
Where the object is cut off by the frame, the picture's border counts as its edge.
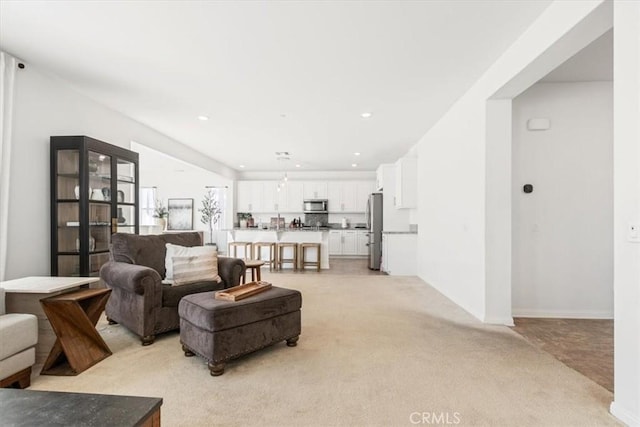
(253, 265)
(247, 246)
(272, 253)
(282, 260)
(315, 263)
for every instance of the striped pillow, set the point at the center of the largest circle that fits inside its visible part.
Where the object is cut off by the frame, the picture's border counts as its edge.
(197, 268)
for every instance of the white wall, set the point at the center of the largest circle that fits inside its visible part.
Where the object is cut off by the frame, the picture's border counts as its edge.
(454, 239)
(175, 179)
(626, 180)
(562, 232)
(454, 185)
(45, 106)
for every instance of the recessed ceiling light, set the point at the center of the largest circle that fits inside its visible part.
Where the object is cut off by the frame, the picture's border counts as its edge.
(366, 115)
(354, 165)
(356, 154)
(241, 166)
(203, 118)
(297, 166)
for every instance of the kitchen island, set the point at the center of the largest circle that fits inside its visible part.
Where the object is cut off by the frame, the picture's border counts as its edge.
(288, 235)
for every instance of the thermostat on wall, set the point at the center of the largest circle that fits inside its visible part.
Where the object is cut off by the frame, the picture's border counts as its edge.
(538, 124)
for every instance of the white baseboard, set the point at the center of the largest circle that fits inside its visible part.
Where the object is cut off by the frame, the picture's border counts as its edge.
(625, 416)
(507, 321)
(561, 314)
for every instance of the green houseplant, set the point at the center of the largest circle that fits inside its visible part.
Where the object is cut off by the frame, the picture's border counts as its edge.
(210, 213)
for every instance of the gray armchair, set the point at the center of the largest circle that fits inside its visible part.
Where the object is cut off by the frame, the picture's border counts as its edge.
(139, 300)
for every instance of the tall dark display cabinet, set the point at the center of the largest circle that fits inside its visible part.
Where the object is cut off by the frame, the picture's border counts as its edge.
(94, 193)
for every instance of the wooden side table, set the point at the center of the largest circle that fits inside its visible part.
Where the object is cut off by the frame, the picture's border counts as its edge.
(253, 265)
(73, 317)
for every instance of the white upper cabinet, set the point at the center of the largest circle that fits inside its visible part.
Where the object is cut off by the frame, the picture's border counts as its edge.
(380, 177)
(260, 196)
(249, 196)
(363, 190)
(294, 197)
(272, 197)
(268, 197)
(348, 196)
(406, 183)
(314, 189)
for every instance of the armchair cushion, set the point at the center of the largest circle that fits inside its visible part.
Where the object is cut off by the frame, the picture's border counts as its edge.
(171, 295)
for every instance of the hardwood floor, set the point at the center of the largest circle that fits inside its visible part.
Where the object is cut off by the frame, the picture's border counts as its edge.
(585, 345)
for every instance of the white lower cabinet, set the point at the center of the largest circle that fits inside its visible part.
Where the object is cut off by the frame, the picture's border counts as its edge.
(362, 241)
(343, 242)
(399, 255)
(349, 242)
(335, 242)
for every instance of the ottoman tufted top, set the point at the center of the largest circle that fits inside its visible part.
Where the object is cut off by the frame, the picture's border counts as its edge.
(210, 314)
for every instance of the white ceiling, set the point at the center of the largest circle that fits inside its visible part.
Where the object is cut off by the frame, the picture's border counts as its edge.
(272, 76)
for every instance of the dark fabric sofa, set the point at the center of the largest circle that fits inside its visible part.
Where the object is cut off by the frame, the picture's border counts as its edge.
(139, 301)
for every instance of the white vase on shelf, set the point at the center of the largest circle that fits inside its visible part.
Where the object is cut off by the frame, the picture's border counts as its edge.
(162, 224)
(97, 194)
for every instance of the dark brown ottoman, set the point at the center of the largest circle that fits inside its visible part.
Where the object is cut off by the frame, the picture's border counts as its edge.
(222, 330)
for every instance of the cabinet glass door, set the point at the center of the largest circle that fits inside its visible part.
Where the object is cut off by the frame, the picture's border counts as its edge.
(100, 201)
(68, 211)
(125, 221)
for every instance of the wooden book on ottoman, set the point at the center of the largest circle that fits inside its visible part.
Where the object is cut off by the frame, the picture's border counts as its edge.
(219, 330)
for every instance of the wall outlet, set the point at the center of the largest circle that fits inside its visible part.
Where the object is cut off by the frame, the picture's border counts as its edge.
(633, 232)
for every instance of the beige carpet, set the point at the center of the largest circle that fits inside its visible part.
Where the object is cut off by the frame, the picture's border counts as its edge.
(374, 351)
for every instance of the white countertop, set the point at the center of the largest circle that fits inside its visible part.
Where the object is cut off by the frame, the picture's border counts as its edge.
(44, 284)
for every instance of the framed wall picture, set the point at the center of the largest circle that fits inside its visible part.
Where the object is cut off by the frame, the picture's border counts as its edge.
(180, 214)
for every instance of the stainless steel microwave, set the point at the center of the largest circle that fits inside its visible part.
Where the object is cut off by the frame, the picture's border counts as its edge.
(316, 206)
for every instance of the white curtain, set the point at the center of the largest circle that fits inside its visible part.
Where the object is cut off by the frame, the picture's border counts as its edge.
(7, 78)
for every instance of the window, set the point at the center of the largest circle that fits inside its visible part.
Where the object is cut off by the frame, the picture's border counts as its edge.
(147, 205)
(219, 194)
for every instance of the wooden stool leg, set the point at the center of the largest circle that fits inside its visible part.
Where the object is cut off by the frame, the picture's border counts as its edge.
(318, 259)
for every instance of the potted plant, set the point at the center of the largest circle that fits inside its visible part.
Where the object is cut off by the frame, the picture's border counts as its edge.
(210, 213)
(161, 213)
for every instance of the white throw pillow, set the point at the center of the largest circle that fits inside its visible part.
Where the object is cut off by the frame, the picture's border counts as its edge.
(193, 269)
(182, 251)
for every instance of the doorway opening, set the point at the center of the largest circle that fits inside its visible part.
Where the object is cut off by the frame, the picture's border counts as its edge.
(562, 212)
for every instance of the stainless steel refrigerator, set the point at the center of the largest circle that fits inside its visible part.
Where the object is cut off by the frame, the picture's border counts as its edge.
(374, 224)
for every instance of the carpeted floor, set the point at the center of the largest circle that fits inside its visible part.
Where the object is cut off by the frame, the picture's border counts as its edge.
(374, 351)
